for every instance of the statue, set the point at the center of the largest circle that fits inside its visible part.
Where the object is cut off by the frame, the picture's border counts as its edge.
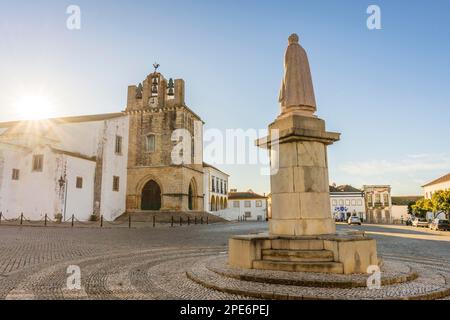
(297, 92)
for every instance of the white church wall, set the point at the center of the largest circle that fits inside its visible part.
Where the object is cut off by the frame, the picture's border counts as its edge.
(113, 202)
(80, 201)
(33, 194)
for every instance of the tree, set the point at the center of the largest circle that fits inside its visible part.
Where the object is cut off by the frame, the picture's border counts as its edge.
(441, 201)
(421, 207)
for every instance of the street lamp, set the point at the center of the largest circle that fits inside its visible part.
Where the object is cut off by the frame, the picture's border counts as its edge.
(62, 183)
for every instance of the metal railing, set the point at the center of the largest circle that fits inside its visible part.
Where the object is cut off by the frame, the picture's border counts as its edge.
(72, 221)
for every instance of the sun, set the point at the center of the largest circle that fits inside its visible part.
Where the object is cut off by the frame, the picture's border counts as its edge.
(34, 107)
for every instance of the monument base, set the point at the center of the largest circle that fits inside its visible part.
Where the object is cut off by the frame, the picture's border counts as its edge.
(340, 253)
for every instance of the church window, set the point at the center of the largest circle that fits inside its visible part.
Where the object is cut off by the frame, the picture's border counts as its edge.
(79, 182)
(116, 183)
(118, 145)
(150, 143)
(15, 174)
(38, 162)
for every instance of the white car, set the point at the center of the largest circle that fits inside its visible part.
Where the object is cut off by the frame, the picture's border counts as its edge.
(420, 222)
(354, 220)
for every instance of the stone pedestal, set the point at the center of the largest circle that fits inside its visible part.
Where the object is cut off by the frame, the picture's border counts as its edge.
(300, 188)
(302, 233)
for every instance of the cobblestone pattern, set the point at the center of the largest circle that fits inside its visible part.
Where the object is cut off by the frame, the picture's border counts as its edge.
(431, 284)
(151, 263)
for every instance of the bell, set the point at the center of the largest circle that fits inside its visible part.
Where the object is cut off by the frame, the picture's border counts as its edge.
(154, 89)
(170, 92)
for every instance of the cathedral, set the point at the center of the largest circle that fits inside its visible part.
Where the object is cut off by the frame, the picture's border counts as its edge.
(108, 164)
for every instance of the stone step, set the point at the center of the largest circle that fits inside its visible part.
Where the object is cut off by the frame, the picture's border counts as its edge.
(298, 255)
(293, 266)
(299, 244)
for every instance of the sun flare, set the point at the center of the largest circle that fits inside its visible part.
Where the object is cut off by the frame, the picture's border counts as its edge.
(34, 107)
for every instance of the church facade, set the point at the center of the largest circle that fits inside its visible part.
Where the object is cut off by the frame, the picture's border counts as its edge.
(108, 164)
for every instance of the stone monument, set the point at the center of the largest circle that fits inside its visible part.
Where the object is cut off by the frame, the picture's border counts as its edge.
(302, 233)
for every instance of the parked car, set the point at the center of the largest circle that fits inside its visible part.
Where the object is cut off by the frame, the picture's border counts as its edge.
(354, 220)
(420, 222)
(439, 224)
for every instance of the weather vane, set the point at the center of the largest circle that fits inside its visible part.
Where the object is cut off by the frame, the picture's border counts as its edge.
(156, 66)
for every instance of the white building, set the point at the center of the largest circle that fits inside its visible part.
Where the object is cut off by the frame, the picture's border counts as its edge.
(247, 206)
(440, 184)
(216, 188)
(347, 201)
(66, 166)
(378, 203)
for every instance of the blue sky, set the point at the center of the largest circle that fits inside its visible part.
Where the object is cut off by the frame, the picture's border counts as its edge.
(386, 91)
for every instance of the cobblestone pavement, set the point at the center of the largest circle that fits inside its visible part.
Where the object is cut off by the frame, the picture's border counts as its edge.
(151, 263)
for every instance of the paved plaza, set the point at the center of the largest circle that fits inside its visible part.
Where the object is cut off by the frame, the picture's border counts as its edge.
(151, 263)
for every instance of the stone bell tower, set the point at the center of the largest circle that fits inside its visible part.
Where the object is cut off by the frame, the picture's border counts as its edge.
(157, 109)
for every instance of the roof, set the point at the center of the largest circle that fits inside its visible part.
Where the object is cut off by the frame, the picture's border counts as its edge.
(207, 165)
(245, 195)
(344, 188)
(73, 154)
(438, 180)
(404, 200)
(73, 119)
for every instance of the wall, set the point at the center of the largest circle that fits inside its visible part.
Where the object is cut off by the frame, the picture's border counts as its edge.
(113, 203)
(255, 211)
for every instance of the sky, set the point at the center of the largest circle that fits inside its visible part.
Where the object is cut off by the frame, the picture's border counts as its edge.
(386, 91)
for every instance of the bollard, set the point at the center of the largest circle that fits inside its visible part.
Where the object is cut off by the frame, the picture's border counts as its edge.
(1, 217)
(201, 220)
(195, 220)
(45, 220)
(21, 218)
(73, 217)
(207, 220)
(154, 221)
(189, 221)
(181, 221)
(101, 221)
(171, 223)
(129, 222)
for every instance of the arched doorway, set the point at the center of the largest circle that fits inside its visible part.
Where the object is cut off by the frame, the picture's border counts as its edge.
(192, 195)
(151, 196)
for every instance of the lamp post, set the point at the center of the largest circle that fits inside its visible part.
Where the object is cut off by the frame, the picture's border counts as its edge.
(63, 183)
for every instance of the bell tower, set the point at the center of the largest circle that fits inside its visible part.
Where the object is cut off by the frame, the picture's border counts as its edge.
(156, 108)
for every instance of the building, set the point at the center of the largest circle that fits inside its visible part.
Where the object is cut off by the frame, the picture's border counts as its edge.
(378, 203)
(66, 166)
(147, 158)
(216, 188)
(440, 184)
(347, 201)
(247, 205)
(400, 207)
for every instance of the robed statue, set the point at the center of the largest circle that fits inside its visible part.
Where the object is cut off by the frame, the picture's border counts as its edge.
(297, 92)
